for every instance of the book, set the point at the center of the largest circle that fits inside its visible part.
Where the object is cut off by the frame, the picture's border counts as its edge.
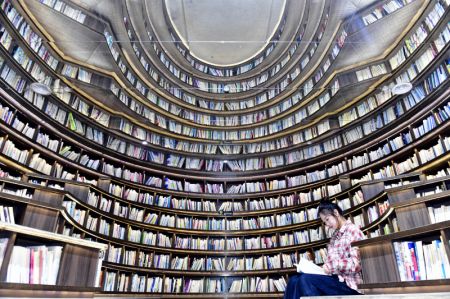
(306, 266)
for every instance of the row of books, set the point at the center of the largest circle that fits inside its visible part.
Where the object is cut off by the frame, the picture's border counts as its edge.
(34, 264)
(120, 282)
(5, 38)
(6, 213)
(9, 149)
(66, 9)
(385, 229)
(421, 260)
(164, 261)
(396, 168)
(370, 72)
(14, 190)
(384, 10)
(355, 162)
(201, 187)
(34, 40)
(125, 210)
(217, 134)
(439, 213)
(136, 235)
(206, 205)
(195, 223)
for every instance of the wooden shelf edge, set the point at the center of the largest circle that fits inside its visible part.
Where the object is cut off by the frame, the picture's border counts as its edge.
(404, 234)
(11, 290)
(48, 235)
(407, 284)
(184, 295)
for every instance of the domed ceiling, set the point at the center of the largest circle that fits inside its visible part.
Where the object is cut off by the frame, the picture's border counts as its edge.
(152, 31)
(225, 32)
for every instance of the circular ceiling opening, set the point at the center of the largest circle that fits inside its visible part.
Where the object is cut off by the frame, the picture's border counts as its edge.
(225, 32)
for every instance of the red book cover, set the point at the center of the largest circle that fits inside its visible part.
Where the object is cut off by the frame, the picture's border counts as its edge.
(412, 249)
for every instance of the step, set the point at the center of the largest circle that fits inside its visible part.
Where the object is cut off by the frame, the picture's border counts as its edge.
(442, 295)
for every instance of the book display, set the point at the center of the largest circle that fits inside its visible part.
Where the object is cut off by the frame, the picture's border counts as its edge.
(39, 261)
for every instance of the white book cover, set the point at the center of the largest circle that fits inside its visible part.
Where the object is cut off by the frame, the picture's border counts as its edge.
(3, 244)
(18, 268)
(52, 264)
(421, 260)
(306, 266)
(2, 214)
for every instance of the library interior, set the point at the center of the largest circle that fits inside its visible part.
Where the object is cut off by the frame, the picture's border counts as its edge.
(181, 148)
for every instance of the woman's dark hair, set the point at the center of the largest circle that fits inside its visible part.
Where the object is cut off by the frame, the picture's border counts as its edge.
(327, 207)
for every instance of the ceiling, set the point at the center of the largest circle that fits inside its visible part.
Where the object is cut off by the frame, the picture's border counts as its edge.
(199, 20)
(225, 32)
(253, 22)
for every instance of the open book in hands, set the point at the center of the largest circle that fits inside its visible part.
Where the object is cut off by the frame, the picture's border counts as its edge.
(305, 266)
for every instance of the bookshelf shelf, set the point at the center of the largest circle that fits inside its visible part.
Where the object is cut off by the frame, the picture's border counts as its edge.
(382, 10)
(418, 235)
(13, 289)
(67, 254)
(408, 284)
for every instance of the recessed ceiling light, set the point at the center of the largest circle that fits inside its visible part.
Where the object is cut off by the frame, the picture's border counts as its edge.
(226, 89)
(40, 88)
(144, 142)
(402, 88)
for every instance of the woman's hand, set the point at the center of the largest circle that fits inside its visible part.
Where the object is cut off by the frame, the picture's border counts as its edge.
(325, 269)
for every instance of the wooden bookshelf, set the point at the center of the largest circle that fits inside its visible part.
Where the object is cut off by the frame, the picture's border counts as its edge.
(305, 88)
(385, 257)
(84, 258)
(237, 273)
(246, 273)
(312, 180)
(422, 219)
(187, 213)
(11, 131)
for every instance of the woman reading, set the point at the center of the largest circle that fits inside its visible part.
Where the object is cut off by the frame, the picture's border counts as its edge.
(342, 267)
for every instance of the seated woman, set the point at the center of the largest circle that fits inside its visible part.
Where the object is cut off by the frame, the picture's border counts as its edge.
(342, 262)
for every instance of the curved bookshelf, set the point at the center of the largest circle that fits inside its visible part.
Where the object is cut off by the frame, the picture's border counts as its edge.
(171, 227)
